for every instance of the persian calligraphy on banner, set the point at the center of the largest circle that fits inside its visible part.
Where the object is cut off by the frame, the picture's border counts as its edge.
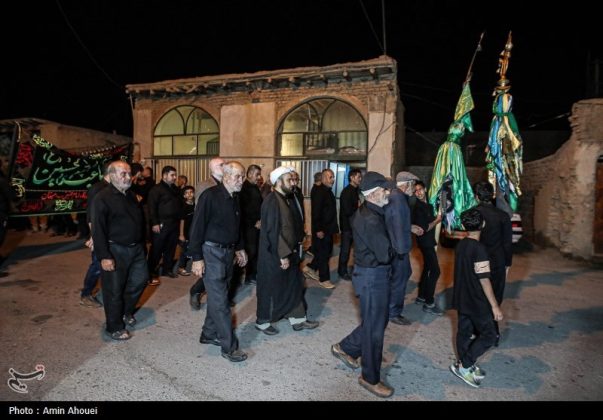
(49, 180)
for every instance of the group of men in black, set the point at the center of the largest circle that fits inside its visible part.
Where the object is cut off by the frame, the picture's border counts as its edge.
(375, 217)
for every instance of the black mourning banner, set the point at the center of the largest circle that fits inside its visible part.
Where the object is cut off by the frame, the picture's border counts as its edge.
(48, 180)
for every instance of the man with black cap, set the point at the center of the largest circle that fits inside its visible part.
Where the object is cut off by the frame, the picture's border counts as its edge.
(372, 257)
(397, 218)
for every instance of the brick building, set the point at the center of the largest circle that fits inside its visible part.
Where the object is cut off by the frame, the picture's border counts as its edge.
(340, 116)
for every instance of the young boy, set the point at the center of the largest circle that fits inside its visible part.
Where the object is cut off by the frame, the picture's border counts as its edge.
(188, 210)
(474, 300)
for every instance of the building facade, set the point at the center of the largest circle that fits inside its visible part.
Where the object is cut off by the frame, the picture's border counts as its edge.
(340, 116)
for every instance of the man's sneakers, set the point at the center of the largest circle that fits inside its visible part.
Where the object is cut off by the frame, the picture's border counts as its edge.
(306, 325)
(419, 300)
(379, 389)
(308, 272)
(90, 302)
(433, 309)
(400, 320)
(467, 375)
(347, 360)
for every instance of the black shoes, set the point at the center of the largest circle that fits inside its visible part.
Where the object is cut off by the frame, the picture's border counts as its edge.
(400, 320)
(171, 274)
(204, 340)
(129, 320)
(345, 276)
(306, 325)
(268, 331)
(195, 301)
(235, 356)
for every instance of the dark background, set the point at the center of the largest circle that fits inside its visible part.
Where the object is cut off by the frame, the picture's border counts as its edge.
(69, 61)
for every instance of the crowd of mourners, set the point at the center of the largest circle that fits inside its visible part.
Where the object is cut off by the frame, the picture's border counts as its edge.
(235, 226)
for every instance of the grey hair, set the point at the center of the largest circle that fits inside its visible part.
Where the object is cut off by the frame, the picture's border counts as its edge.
(230, 167)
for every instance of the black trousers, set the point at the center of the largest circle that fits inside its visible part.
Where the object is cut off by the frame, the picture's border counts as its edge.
(372, 287)
(252, 241)
(430, 274)
(123, 287)
(344, 252)
(163, 245)
(218, 274)
(470, 350)
(322, 253)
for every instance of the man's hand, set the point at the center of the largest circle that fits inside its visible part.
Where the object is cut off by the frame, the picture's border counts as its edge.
(284, 263)
(198, 268)
(156, 228)
(417, 230)
(320, 235)
(258, 224)
(182, 238)
(498, 315)
(507, 272)
(90, 244)
(108, 264)
(438, 218)
(241, 258)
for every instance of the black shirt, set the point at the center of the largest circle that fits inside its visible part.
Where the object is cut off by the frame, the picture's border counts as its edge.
(217, 219)
(371, 242)
(116, 217)
(324, 210)
(470, 265)
(188, 210)
(250, 199)
(497, 235)
(422, 215)
(348, 204)
(165, 205)
(92, 192)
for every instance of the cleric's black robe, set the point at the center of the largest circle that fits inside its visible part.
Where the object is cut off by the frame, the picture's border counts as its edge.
(278, 291)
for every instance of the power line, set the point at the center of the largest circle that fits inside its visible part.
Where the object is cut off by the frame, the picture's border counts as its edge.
(86, 49)
(368, 19)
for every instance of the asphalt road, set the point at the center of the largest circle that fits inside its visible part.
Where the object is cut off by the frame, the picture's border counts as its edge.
(551, 347)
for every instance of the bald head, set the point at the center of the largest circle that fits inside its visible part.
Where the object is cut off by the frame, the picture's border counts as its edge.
(234, 174)
(215, 168)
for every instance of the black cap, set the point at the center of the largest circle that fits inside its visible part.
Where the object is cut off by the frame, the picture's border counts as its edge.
(372, 180)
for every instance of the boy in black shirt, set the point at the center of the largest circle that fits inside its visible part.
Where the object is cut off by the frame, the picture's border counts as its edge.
(188, 210)
(474, 300)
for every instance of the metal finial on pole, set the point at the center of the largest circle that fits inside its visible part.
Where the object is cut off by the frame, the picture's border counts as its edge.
(477, 49)
(383, 26)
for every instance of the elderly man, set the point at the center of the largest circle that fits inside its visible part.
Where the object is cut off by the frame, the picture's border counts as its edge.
(215, 240)
(216, 174)
(372, 258)
(397, 218)
(117, 232)
(215, 178)
(280, 287)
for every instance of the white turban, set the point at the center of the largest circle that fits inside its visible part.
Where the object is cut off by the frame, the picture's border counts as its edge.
(278, 172)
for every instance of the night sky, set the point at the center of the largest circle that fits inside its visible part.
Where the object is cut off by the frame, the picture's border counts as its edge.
(78, 76)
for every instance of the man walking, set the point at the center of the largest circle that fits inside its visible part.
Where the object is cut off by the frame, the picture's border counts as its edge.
(215, 241)
(348, 204)
(280, 286)
(397, 218)
(372, 258)
(117, 232)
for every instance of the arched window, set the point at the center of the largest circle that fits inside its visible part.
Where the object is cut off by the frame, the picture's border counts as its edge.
(323, 128)
(186, 131)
